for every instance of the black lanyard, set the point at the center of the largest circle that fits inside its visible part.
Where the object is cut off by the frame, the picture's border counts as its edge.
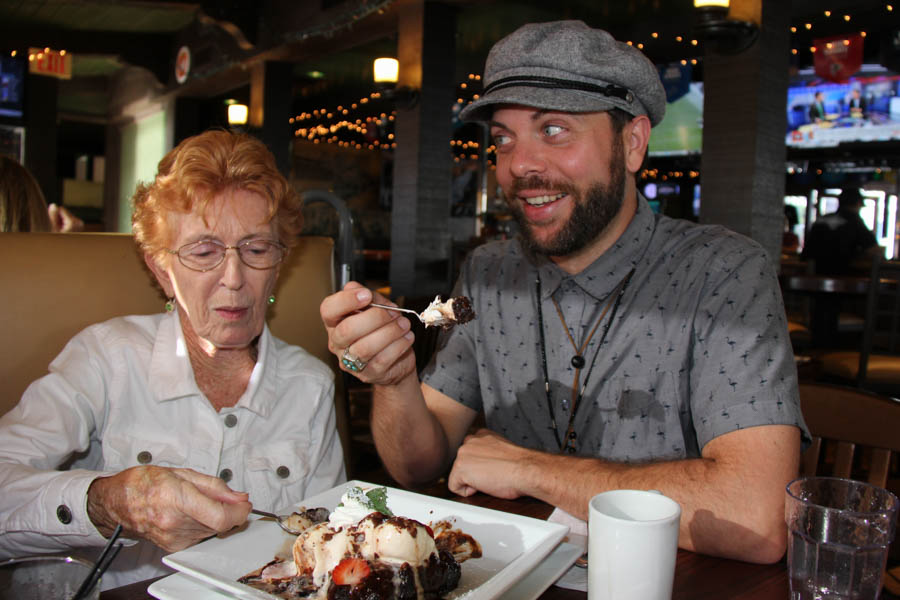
(568, 444)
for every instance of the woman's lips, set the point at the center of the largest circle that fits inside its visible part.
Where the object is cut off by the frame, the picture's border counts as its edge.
(231, 313)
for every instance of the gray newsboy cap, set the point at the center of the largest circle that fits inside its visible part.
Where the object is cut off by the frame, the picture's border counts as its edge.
(570, 67)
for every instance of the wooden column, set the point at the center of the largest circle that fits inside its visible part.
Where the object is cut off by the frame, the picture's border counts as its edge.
(420, 218)
(744, 125)
(270, 109)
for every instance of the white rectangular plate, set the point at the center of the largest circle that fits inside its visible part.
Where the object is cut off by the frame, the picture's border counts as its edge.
(530, 587)
(512, 545)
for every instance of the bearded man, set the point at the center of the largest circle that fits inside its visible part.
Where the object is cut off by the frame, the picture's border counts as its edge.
(613, 348)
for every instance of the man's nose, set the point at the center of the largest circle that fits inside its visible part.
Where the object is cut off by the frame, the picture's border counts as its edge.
(526, 159)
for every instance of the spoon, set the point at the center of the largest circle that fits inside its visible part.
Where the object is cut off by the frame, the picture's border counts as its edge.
(282, 520)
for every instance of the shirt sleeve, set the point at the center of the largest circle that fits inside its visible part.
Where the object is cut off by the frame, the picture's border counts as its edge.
(743, 372)
(43, 509)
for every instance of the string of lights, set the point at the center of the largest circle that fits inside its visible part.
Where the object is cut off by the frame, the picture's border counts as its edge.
(354, 125)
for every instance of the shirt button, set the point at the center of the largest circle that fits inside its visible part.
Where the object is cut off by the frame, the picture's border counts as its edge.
(144, 457)
(230, 420)
(283, 472)
(63, 514)
(225, 475)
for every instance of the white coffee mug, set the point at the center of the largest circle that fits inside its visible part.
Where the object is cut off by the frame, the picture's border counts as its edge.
(632, 544)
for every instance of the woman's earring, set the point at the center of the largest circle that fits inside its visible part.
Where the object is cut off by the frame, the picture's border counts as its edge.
(271, 299)
(170, 304)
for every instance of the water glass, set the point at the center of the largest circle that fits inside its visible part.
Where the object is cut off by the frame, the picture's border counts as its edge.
(44, 578)
(839, 531)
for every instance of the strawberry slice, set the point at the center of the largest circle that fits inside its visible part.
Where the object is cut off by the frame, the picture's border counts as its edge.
(350, 571)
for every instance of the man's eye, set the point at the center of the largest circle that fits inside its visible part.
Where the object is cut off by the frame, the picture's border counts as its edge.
(551, 130)
(500, 139)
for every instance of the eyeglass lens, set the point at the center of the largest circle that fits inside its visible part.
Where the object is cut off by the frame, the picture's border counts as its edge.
(208, 254)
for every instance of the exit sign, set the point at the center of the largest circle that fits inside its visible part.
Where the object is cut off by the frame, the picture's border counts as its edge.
(43, 61)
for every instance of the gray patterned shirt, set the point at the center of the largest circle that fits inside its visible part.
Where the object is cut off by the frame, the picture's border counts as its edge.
(698, 347)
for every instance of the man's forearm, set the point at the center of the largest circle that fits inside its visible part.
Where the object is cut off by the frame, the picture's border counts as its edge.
(732, 508)
(410, 440)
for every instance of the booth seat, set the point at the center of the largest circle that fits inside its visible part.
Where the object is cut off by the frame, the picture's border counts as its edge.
(54, 285)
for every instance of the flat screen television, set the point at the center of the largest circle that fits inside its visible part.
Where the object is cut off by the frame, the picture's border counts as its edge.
(824, 114)
(12, 86)
(680, 133)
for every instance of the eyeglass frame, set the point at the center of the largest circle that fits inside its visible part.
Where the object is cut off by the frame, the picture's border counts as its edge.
(226, 248)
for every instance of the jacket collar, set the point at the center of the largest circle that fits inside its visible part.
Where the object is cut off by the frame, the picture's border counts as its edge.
(171, 376)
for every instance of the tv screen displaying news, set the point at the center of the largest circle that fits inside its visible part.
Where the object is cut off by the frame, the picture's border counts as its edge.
(823, 114)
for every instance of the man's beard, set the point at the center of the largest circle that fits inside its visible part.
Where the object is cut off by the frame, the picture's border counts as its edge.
(593, 209)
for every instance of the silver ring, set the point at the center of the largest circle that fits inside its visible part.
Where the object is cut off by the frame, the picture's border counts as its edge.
(353, 363)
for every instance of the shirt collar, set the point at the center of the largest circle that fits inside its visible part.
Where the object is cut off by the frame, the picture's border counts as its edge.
(603, 275)
(171, 375)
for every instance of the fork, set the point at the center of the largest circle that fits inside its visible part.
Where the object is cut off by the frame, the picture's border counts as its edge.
(406, 310)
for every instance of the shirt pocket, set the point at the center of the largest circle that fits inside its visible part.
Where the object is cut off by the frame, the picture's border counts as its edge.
(123, 452)
(277, 473)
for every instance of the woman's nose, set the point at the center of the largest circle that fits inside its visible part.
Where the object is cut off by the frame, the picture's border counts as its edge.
(233, 273)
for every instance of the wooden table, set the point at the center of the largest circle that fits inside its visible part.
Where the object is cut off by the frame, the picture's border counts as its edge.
(697, 577)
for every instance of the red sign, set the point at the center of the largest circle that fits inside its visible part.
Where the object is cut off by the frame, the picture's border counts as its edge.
(182, 64)
(837, 58)
(43, 61)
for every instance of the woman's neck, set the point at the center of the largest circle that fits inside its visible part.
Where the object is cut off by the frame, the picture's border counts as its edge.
(222, 374)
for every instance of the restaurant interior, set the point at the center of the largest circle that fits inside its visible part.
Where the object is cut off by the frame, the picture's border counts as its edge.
(93, 93)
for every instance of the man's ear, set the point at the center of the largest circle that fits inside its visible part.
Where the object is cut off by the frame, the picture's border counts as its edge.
(637, 137)
(162, 276)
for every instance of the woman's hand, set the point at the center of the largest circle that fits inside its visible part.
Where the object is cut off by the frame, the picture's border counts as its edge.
(380, 338)
(173, 508)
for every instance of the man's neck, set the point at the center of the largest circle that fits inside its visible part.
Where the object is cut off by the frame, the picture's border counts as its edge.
(579, 261)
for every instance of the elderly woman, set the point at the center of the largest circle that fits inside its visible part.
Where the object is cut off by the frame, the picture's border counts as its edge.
(174, 424)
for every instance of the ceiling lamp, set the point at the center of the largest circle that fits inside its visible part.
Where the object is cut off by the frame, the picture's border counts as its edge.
(386, 72)
(731, 26)
(237, 114)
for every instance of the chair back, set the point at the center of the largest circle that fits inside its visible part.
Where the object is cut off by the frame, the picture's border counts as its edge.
(58, 284)
(862, 427)
(878, 358)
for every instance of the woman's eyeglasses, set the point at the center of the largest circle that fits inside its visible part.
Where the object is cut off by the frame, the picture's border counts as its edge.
(206, 255)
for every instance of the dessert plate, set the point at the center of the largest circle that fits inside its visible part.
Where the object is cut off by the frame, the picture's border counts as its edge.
(181, 587)
(512, 545)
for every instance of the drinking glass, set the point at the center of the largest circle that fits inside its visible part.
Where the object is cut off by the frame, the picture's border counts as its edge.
(44, 578)
(839, 531)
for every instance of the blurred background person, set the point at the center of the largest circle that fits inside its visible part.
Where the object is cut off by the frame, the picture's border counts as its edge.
(840, 243)
(790, 241)
(23, 207)
(172, 424)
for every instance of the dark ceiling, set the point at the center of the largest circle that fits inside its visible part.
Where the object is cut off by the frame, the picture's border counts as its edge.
(339, 38)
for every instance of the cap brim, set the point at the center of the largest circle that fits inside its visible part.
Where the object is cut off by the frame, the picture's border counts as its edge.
(573, 101)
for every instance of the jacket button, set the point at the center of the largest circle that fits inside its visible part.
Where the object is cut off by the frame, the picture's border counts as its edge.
(225, 475)
(283, 472)
(63, 514)
(230, 420)
(144, 457)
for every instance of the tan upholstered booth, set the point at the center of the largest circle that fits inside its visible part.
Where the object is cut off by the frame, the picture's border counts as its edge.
(54, 285)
